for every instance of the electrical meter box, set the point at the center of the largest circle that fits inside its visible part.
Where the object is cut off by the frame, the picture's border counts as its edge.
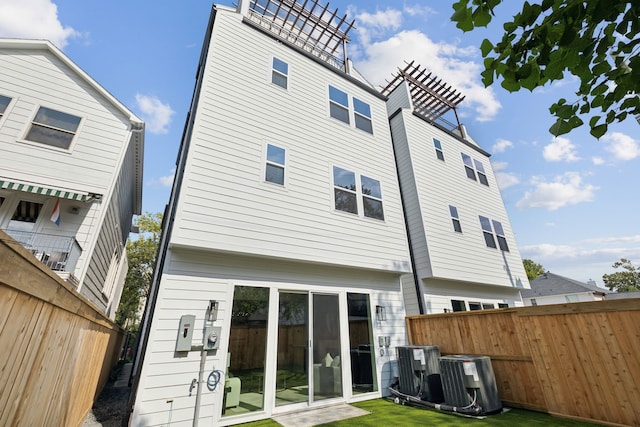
(211, 338)
(185, 332)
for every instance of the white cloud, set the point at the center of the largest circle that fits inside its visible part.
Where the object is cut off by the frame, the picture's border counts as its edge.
(371, 25)
(560, 149)
(156, 114)
(34, 19)
(501, 145)
(564, 190)
(450, 62)
(418, 10)
(597, 160)
(167, 181)
(504, 179)
(622, 146)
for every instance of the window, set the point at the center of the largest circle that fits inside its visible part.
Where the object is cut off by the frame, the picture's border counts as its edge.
(339, 109)
(371, 198)
(25, 216)
(473, 166)
(503, 305)
(455, 219)
(53, 128)
(473, 306)
(4, 103)
(362, 115)
(338, 104)
(458, 305)
(280, 73)
(346, 193)
(487, 306)
(533, 301)
(438, 147)
(502, 241)
(482, 176)
(488, 232)
(344, 188)
(274, 170)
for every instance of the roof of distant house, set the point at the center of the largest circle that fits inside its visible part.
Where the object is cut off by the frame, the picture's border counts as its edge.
(552, 284)
(622, 295)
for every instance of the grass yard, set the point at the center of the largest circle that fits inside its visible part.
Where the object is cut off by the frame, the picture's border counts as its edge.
(386, 413)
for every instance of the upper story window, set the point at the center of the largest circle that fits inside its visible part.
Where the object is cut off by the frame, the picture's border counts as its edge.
(455, 219)
(473, 166)
(438, 146)
(339, 108)
(344, 190)
(274, 169)
(347, 193)
(338, 104)
(53, 128)
(492, 229)
(25, 216)
(362, 115)
(371, 198)
(4, 103)
(280, 73)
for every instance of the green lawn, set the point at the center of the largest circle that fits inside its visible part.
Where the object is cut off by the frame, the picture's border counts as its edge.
(387, 413)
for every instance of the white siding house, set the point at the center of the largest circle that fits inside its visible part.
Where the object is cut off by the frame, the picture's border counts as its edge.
(464, 252)
(71, 153)
(286, 222)
(549, 288)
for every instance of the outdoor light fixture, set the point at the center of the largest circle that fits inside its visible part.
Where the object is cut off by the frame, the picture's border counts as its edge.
(381, 313)
(212, 311)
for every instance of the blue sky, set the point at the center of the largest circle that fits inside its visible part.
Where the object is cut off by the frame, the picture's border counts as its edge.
(572, 201)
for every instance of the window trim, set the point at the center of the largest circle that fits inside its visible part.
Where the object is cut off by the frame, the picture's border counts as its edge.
(4, 114)
(455, 219)
(490, 229)
(339, 105)
(266, 162)
(355, 117)
(366, 118)
(437, 145)
(274, 70)
(474, 169)
(32, 121)
(359, 194)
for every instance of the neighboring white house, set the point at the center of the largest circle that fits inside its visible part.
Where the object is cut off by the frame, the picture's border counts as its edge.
(464, 251)
(549, 288)
(70, 170)
(285, 221)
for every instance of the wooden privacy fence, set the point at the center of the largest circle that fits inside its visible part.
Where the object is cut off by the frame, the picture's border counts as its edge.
(57, 348)
(579, 360)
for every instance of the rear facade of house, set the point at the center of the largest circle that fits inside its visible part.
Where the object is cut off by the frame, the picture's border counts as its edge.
(284, 235)
(70, 171)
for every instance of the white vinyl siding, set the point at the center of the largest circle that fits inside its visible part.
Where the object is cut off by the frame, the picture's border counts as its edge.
(434, 184)
(225, 157)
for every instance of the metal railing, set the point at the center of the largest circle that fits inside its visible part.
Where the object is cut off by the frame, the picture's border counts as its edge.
(59, 253)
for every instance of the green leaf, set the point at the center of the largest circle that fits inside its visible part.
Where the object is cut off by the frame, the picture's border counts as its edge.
(598, 131)
(486, 47)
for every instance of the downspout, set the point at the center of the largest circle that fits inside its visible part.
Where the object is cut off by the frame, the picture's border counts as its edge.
(168, 220)
(406, 223)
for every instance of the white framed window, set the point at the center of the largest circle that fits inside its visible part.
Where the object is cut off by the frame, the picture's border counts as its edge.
(438, 147)
(492, 229)
(275, 164)
(53, 128)
(347, 194)
(362, 115)
(455, 219)
(473, 167)
(340, 108)
(280, 73)
(371, 198)
(338, 104)
(4, 104)
(534, 302)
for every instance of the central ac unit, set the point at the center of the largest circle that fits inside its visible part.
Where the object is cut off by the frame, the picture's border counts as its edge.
(419, 372)
(469, 380)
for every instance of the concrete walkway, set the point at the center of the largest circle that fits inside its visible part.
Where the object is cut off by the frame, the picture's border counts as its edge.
(314, 417)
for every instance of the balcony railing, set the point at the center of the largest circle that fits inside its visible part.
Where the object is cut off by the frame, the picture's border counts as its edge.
(59, 253)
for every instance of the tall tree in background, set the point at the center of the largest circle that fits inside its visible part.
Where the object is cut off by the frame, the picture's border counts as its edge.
(141, 254)
(627, 280)
(533, 269)
(596, 41)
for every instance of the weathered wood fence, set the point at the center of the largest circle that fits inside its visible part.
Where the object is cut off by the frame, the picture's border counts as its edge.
(579, 360)
(56, 349)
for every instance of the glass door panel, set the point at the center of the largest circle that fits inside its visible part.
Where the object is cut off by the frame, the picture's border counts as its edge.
(361, 348)
(292, 377)
(327, 366)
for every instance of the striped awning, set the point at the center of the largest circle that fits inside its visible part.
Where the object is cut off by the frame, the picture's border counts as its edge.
(44, 191)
